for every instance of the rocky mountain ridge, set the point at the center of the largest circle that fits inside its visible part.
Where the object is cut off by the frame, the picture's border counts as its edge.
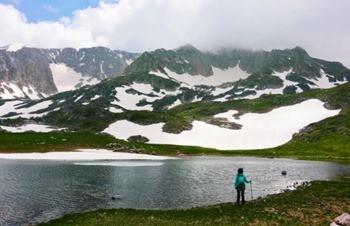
(164, 79)
(189, 60)
(28, 73)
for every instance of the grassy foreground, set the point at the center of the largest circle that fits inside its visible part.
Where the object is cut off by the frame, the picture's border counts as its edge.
(315, 204)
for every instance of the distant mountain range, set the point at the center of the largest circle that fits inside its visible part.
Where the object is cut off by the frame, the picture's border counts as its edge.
(90, 88)
(229, 73)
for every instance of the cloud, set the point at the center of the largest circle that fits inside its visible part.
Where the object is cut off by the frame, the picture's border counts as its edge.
(319, 26)
(16, 29)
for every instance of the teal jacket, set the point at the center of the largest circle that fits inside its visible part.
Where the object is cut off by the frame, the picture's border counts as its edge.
(240, 182)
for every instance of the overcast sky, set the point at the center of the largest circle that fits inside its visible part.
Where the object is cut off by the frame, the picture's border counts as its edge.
(322, 27)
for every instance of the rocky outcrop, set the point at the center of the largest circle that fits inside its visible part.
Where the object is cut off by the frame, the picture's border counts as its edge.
(342, 220)
(27, 67)
(223, 123)
(177, 127)
(96, 62)
(138, 139)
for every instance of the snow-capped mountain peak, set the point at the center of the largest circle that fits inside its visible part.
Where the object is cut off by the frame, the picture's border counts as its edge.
(13, 47)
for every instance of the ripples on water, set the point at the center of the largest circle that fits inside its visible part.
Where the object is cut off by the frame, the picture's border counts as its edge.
(36, 191)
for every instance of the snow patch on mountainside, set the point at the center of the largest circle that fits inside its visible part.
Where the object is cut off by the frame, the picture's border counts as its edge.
(218, 78)
(324, 83)
(130, 101)
(115, 110)
(15, 107)
(176, 103)
(95, 97)
(219, 91)
(135, 96)
(229, 75)
(29, 127)
(9, 106)
(142, 88)
(286, 82)
(31, 93)
(128, 61)
(9, 91)
(266, 130)
(321, 82)
(160, 74)
(13, 47)
(66, 78)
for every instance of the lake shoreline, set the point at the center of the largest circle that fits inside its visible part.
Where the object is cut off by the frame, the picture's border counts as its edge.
(82, 154)
(109, 154)
(207, 180)
(316, 203)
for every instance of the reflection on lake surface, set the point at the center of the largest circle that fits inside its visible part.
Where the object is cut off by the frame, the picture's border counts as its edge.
(36, 191)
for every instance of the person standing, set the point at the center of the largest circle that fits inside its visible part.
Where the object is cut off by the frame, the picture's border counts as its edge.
(240, 185)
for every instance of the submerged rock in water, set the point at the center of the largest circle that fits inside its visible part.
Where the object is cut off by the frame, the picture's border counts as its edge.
(117, 197)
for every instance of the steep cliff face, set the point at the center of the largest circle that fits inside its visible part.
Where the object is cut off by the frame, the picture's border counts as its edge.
(97, 62)
(27, 72)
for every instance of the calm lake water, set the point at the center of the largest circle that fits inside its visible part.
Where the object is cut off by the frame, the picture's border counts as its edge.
(37, 191)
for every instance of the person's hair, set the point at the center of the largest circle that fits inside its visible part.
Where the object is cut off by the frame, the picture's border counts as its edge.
(240, 170)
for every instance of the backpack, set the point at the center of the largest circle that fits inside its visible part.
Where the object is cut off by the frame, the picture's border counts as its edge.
(241, 183)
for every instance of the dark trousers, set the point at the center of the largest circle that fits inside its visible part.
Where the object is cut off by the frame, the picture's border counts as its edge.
(240, 193)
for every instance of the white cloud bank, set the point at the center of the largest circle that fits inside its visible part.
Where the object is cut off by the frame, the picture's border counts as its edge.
(258, 131)
(319, 26)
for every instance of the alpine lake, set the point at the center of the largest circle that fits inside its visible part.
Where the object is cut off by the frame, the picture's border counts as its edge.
(34, 191)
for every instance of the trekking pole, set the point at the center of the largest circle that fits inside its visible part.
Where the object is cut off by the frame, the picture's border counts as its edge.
(251, 190)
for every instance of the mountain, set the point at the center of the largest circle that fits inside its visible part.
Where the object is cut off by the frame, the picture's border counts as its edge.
(223, 75)
(36, 73)
(185, 90)
(163, 79)
(290, 70)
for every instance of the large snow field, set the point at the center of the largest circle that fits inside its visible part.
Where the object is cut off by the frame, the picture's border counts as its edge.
(66, 78)
(265, 130)
(83, 154)
(219, 76)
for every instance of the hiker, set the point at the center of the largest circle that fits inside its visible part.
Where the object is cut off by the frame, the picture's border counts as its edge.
(240, 185)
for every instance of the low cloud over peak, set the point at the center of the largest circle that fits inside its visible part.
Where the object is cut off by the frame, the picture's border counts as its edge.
(319, 26)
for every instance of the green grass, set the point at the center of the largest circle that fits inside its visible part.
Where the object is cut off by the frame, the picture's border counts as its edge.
(54, 141)
(316, 204)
